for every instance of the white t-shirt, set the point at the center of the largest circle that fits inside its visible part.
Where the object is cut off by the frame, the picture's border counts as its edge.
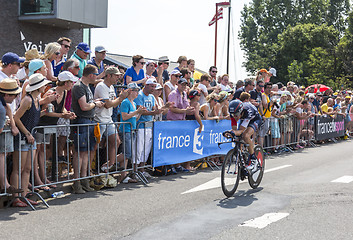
(202, 97)
(104, 115)
(225, 88)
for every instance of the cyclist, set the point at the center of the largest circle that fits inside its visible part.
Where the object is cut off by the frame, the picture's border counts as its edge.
(250, 121)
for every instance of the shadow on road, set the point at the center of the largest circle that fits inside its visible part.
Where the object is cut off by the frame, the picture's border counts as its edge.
(241, 198)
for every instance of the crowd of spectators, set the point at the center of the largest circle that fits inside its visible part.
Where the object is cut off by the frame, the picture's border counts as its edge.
(58, 90)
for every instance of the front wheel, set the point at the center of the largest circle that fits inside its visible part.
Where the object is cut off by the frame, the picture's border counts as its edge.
(255, 178)
(230, 173)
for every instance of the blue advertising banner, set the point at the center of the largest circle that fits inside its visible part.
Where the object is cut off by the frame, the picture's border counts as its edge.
(180, 141)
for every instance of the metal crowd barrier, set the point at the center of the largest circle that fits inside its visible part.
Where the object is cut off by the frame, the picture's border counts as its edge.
(285, 133)
(6, 139)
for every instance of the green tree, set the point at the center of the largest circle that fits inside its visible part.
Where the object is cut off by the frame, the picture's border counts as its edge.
(295, 72)
(264, 20)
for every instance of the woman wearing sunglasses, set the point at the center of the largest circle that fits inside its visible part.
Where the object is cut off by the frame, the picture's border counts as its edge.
(51, 53)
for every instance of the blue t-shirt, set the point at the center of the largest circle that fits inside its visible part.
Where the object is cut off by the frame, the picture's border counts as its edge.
(148, 102)
(132, 73)
(93, 62)
(127, 107)
(58, 67)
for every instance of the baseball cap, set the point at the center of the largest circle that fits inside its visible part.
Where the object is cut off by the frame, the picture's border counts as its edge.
(84, 47)
(67, 76)
(158, 86)
(133, 86)
(11, 57)
(113, 70)
(193, 93)
(151, 80)
(175, 72)
(151, 61)
(263, 70)
(182, 80)
(100, 49)
(34, 65)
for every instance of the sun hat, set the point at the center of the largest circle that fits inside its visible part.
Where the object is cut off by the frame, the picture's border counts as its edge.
(67, 76)
(163, 59)
(36, 81)
(34, 65)
(32, 54)
(9, 86)
(133, 86)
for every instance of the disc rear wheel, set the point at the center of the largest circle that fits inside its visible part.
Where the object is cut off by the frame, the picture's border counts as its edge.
(255, 178)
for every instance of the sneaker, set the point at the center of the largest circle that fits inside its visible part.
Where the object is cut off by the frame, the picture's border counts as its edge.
(253, 166)
(129, 180)
(298, 146)
(182, 169)
(147, 175)
(62, 159)
(173, 170)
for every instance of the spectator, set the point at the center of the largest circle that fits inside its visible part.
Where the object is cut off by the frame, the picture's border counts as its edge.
(159, 103)
(195, 75)
(83, 106)
(239, 84)
(302, 114)
(30, 55)
(194, 96)
(150, 68)
(223, 99)
(325, 106)
(65, 83)
(267, 108)
(9, 89)
(181, 106)
(65, 44)
(34, 66)
(210, 110)
(231, 85)
(161, 73)
(204, 82)
(105, 91)
(97, 61)
(51, 53)
(224, 83)
(183, 63)
(26, 118)
(135, 73)
(213, 84)
(145, 99)
(274, 124)
(171, 85)
(10, 64)
(81, 54)
(129, 114)
(248, 86)
(186, 73)
(256, 96)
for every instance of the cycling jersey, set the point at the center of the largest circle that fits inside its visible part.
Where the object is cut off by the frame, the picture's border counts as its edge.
(250, 117)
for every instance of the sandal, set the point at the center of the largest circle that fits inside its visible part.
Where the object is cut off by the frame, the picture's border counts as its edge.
(51, 185)
(44, 188)
(105, 168)
(18, 203)
(129, 180)
(11, 190)
(32, 202)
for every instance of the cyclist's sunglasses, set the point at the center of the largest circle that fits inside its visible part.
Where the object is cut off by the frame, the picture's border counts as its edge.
(235, 115)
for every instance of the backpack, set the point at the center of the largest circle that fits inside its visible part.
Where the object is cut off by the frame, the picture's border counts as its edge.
(162, 171)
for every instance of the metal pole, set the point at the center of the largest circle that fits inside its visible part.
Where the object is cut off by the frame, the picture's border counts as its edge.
(215, 41)
(228, 36)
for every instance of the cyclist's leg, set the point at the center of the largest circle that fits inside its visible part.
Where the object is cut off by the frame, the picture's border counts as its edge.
(249, 131)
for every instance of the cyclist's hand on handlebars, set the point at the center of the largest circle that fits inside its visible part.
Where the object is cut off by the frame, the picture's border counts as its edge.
(229, 134)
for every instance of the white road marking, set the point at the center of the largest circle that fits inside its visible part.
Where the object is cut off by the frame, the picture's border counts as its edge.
(216, 183)
(264, 220)
(344, 179)
(276, 168)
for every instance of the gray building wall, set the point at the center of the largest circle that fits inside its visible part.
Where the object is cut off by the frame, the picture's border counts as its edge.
(35, 35)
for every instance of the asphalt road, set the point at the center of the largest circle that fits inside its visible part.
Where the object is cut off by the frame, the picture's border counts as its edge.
(296, 200)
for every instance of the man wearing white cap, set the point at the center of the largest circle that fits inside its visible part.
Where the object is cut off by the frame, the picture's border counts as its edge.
(171, 85)
(145, 99)
(105, 91)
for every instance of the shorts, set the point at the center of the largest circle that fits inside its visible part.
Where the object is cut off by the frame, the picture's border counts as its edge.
(84, 139)
(6, 141)
(107, 129)
(129, 138)
(63, 131)
(25, 146)
(40, 138)
(253, 123)
(264, 127)
(275, 133)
